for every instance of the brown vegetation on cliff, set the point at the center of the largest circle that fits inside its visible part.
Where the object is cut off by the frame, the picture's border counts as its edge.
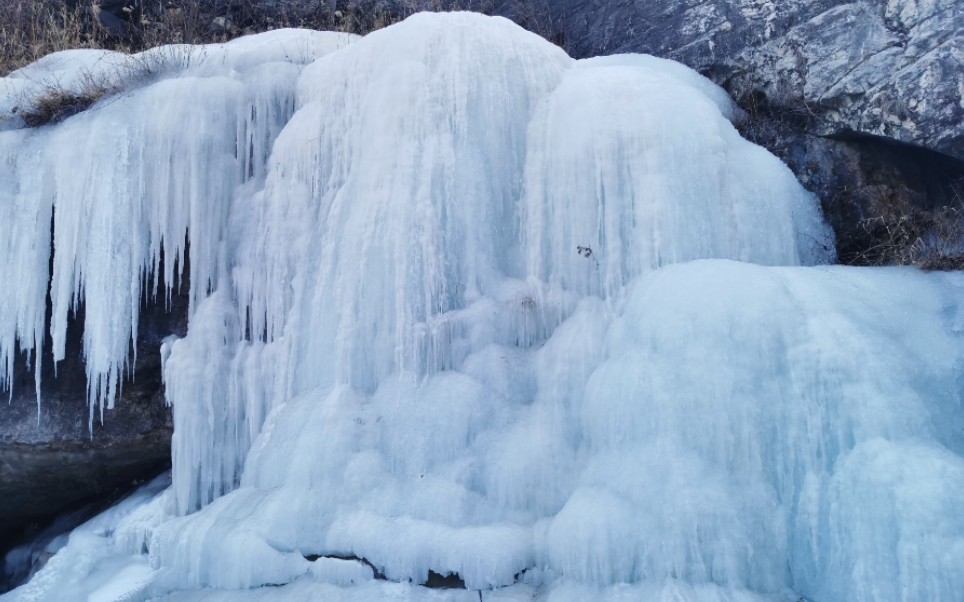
(31, 29)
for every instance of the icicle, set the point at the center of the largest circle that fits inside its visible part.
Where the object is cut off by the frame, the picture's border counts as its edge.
(144, 175)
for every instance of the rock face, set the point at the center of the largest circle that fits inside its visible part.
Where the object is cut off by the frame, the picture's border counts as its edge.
(890, 68)
(58, 459)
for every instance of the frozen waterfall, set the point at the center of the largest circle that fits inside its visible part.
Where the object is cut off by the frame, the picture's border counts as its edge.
(462, 305)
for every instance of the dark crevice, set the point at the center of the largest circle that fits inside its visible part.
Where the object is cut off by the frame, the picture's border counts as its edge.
(380, 576)
(435, 580)
(449, 581)
(40, 533)
(941, 161)
(61, 464)
(888, 202)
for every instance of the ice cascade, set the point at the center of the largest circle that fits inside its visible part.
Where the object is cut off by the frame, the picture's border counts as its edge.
(120, 190)
(462, 305)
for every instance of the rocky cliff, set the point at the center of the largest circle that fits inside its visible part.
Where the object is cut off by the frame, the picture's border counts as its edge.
(889, 68)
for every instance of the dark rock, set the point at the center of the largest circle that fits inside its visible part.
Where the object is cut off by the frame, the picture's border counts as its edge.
(376, 572)
(109, 23)
(223, 25)
(864, 181)
(18, 565)
(433, 581)
(448, 581)
(58, 456)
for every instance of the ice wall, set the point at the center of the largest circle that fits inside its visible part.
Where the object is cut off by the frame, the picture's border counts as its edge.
(131, 181)
(461, 304)
(461, 169)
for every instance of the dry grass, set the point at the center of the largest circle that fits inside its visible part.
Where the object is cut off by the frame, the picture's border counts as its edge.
(53, 103)
(31, 29)
(930, 240)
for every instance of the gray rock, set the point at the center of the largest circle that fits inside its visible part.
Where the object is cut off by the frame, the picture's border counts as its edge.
(891, 68)
(109, 23)
(222, 25)
(51, 460)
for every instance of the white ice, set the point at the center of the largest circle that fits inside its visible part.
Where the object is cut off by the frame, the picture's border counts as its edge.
(464, 305)
(102, 560)
(128, 181)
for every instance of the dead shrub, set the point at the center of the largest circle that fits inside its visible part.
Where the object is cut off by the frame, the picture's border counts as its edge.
(31, 29)
(56, 104)
(930, 240)
(52, 101)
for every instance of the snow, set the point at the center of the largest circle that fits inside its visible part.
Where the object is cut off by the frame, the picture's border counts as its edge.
(398, 361)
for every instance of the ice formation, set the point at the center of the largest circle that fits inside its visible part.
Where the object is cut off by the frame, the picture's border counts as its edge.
(461, 305)
(127, 181)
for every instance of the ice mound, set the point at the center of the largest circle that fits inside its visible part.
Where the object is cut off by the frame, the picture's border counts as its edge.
(465, 307)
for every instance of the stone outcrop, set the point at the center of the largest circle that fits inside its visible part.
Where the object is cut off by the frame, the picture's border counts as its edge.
(54, 458)
(889, 68)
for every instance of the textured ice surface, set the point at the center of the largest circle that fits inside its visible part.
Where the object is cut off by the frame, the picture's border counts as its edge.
(126, 182)
(463, 305)
(105, 558)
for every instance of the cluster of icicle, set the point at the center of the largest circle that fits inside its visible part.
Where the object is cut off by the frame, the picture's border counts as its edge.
(449, 312)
